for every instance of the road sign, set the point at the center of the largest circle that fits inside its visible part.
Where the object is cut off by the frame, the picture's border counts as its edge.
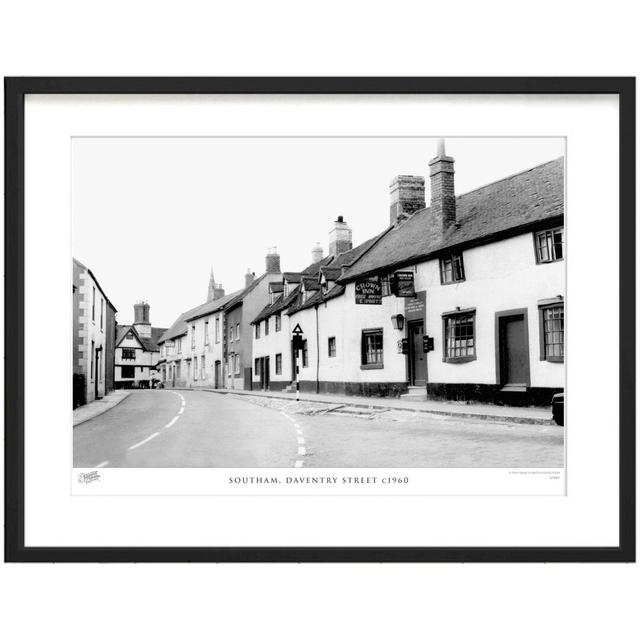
(297, 330)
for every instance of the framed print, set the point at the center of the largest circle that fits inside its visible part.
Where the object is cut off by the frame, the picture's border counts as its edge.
(320, 319)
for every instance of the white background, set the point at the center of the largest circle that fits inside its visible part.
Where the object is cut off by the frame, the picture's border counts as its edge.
(459, 601)
(587, 516)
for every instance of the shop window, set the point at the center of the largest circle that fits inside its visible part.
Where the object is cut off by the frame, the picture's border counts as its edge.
(460, 337)
(371, 349)
(552, 333)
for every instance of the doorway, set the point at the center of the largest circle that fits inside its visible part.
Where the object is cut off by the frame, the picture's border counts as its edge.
(417, 357)
(265, 384)
(513, 350)
(217, 374)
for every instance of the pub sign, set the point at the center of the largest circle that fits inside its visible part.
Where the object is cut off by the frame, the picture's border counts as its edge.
(369, 291)
(402, 284)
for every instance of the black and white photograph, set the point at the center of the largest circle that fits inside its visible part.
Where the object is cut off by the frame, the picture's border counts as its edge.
(318, 303)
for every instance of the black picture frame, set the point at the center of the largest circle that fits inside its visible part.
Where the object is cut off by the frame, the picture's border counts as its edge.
(15, 91)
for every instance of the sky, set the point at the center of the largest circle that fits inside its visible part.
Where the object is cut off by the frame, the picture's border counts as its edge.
(152, 216)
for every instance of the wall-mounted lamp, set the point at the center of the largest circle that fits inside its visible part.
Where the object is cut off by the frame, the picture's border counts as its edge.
(398, 322)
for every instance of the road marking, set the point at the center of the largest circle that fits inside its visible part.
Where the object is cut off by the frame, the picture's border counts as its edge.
(170, 423)
(302, 451)
(181, 410)
(298, 464)
(301, 441)
(139, 444)
(102, 464)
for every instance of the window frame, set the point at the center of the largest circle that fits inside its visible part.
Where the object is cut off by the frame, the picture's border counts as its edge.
(364, 365)
(331, 341)
(542, 307)
(127, 367)
(126, 350)
(206, 333)
(452, 255)
(453, 315)
(305, 354)
(278, 364)
(278, 322)
(551, 230)
(257, 331)
(266, 326)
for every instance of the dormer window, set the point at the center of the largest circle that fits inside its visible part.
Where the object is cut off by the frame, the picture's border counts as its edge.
(549, 245)
(451, 269)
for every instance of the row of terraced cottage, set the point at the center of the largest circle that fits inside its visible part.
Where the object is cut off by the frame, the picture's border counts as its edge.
(463, 299)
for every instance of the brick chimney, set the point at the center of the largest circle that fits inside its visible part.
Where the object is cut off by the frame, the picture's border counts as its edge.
(272, 261)
(215, 291)
(443, 197)
(407, 197)
(141, 320)
(316, 253)
(339, 237)
(249, 278)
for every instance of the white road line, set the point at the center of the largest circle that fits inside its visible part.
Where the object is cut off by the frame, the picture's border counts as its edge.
(170, 423)
(139, 444)
(302, 451)
(102, 464)
(301, 441)
(181, 410)
(298, 464)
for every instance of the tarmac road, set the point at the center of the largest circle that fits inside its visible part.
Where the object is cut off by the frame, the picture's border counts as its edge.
(167, 428)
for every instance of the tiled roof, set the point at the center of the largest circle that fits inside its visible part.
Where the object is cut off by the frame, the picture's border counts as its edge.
(314, 267)
(242, 294)
(276, 287)
(499, 209)
(148, 344)
(211, 306)
(292, 276)
(179, 327)
(293, 302)
(331, 273)
(310, 283)
(281, 303)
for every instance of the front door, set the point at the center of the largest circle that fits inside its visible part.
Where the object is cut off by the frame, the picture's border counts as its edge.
(217, 375)
(266, 373)
(96, 388)
(514, 351)
(417, 358)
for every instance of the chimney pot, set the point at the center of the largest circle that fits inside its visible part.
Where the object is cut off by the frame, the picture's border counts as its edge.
(248, 278)
(340, 237)
(406, 197)
(316, 253)
(272, 261)
(443, 197)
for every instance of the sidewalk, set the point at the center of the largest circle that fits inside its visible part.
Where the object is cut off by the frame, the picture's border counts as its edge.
(95, 408)
(496, 413)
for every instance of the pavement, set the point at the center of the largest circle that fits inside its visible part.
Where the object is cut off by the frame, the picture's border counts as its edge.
(97, 407)
(177, 429)
(517, 415)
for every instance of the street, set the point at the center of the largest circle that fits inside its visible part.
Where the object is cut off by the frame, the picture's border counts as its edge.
(160, 429)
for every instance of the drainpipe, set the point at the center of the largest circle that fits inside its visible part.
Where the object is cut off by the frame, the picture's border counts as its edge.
(317, 352)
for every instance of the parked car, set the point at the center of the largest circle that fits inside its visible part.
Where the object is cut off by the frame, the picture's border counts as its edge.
(557, 408)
